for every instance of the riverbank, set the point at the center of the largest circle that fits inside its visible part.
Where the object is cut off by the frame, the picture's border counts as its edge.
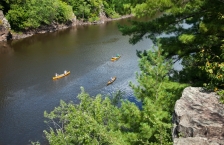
(55, 26)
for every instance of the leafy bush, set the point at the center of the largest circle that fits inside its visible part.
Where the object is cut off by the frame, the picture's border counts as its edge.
(115, 15)
(63, 12)
(16, 17)
(94, 19)
(221, 94)
(111, 13)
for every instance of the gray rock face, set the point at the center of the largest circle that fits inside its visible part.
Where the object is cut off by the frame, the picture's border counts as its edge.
(198, 118)
(4, 28)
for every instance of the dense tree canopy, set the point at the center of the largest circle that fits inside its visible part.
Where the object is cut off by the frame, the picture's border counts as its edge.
(34, 13)
(29, 14)
(193, 30)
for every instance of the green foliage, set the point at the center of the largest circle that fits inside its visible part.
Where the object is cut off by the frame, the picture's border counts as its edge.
(115, 8)
(186, 39)
(96, 6)
(194, 33)
(33, 13)
(78, 7)
(98, 120)
(93, 121)
(93, 18)
(16, 16)
(110, 12)
(150, 73)
(5, 4)
(64, 12)
(214, 68)
(115, 15)
(84, 10)
(158, 96)
(221, 94)
(92, 9)
(1, 7)
(29, 14)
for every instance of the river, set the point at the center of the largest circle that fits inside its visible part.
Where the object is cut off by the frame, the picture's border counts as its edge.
(28, 65)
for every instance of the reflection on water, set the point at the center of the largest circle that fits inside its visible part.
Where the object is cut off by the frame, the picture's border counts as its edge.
(28, 65)
(111, 40)
(5, 48)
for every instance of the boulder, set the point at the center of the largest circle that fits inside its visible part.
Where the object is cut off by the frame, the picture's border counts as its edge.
(198, 118)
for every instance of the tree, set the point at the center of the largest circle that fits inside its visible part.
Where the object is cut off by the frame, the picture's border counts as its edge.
(92, 121)
(5, 4)
(84, 9)
(98, 120)
(158, 96)
(76, 7)
(32, 14)
(193, 28)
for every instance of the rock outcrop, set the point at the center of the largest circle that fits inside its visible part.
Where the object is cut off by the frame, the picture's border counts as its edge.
(4, 28)
(198, 118)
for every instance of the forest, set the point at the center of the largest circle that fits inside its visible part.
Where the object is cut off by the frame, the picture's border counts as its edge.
(30, 14)
(194, 33)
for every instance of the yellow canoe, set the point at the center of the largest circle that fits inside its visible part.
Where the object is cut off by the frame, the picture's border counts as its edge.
(61, 75)
(115, 58)
(111, 81)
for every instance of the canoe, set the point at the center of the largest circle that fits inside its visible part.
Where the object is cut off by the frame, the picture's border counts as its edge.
(111, 81)
(61, 75)
(115, 58)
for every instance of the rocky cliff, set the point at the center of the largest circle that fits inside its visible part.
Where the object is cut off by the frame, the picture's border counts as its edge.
(4, 28)
(198, 118)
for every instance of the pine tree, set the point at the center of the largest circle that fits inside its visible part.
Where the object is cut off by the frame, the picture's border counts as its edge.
(157, 95)
(194, 28)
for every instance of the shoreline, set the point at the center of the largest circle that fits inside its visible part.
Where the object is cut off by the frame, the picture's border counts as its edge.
(56, 27)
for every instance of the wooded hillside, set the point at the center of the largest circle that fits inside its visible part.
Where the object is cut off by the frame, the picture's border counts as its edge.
(29, 14)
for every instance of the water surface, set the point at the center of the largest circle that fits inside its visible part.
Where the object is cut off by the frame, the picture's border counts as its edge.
(28, 65)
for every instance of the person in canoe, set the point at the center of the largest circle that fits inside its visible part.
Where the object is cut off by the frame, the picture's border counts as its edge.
(65, 72)
(112, 79)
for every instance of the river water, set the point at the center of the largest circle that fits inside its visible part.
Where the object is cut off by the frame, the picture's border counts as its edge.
(28, 65)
